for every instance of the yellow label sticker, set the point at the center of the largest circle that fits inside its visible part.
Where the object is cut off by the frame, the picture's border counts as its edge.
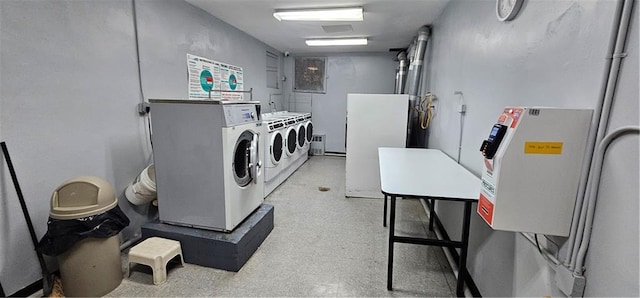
(543, 147)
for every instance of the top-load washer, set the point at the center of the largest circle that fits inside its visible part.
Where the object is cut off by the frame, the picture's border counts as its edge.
(208, 160)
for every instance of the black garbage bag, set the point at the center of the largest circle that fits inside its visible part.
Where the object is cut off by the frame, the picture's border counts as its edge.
(62, 234)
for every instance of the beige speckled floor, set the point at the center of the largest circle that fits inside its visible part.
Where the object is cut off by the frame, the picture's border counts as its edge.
(323, 244)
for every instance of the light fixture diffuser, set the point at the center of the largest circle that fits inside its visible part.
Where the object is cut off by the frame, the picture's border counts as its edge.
(320, 14)
(361, 41)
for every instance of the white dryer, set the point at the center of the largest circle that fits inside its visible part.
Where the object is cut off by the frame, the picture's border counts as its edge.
(208, 160)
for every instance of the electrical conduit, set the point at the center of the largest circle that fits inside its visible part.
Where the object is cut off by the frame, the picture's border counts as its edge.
(599, 125)
(593, 191)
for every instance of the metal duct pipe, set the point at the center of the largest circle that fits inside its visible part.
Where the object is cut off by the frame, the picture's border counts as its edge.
(416, 54)
(401, 74)
(415, 68)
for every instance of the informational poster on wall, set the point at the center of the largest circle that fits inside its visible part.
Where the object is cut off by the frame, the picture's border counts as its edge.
(232, 80)
(204, 78)
(209, 79)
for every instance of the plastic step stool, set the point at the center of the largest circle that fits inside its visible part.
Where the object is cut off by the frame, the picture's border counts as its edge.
(155, 252)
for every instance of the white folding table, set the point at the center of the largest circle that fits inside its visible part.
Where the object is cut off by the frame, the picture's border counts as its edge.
(432, 175)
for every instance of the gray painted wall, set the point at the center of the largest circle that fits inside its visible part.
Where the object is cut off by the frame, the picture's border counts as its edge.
(168, 30)
(346, 73)
(68, 99)
(552, 54)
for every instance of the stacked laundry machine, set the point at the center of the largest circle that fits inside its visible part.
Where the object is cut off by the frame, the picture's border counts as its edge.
(288, 136)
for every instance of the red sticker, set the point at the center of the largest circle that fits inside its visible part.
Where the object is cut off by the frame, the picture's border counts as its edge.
(485, 209)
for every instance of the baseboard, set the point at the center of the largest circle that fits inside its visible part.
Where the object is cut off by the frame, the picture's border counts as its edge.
(330, 153)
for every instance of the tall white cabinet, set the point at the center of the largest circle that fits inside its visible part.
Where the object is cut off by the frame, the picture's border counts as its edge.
(373, 120)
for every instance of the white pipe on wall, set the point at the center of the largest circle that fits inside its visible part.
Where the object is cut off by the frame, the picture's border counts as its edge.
(599, 124)
(593, 191)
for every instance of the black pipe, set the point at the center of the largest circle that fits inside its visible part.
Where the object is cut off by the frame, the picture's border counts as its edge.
(46, 277)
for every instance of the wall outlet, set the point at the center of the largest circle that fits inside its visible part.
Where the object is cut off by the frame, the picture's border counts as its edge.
(569, 283)
(144, 108)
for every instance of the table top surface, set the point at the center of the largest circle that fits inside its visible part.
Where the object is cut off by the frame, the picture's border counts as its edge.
(425, 173)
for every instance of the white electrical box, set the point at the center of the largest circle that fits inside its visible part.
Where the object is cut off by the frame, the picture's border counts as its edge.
(532, 163)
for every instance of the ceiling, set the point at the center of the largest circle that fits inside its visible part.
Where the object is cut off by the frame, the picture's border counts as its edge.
(387, 23)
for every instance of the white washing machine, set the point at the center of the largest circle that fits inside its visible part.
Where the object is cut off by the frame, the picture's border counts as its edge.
(296, 146)
(305, 130)
(291, 139)
(274, 153)
(208, 160)
(309, 130)
(302, 134)
(274, 148)
(285, 131)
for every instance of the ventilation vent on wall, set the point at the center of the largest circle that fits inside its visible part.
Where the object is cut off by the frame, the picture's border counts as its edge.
(317, 145)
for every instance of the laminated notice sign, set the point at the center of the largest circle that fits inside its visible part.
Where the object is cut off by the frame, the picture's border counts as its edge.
(209, 79)
(204, 78)
(231, 80)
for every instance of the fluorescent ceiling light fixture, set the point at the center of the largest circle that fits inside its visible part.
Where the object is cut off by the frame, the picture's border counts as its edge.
(337, 42)
(320, 14)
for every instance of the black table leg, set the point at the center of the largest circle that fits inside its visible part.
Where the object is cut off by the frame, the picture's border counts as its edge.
(462, 268)
(432, 213)
(384, 219)
(392, 224)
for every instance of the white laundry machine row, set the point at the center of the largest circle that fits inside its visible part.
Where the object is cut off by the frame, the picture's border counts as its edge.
(208, 157)
(296, 131)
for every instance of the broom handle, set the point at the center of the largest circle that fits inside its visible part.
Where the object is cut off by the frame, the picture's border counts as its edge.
(32, 232)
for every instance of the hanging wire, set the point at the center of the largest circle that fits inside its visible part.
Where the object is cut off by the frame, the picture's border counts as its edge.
(425, 110)
(544, 253)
